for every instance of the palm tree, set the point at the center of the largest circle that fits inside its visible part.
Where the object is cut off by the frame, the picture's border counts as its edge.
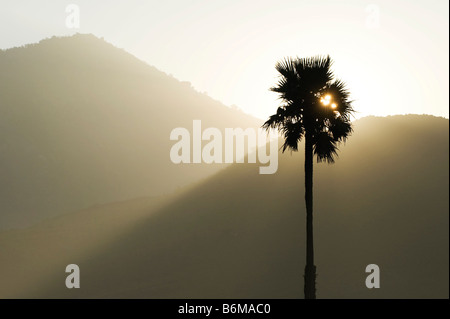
(317, 107)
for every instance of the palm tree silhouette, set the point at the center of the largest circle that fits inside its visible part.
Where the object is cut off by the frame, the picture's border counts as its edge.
(316, 107)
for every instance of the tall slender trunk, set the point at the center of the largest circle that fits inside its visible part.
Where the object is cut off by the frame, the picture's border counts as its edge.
(310, 269)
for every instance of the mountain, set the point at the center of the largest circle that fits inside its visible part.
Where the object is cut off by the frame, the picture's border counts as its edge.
(84, 123)
(239, 234)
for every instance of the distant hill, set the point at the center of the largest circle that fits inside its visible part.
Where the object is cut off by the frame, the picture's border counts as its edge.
(239, 234)
(83, 123)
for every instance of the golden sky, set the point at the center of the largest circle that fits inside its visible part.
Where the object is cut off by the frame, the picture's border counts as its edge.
(392, 54)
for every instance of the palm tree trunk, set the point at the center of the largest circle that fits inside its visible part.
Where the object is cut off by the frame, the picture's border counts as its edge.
(310, 269)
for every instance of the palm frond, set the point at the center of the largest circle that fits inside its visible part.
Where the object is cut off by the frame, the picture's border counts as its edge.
(286, 67)
(301, 84)
(276, 120)
(293, 133)
(325, 147)
(314, 72)
(341, 96)
(340, 128)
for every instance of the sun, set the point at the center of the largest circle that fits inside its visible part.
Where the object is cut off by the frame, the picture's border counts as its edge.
(326, 100)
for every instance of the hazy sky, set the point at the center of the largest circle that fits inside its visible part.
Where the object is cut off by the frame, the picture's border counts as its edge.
(392, 54)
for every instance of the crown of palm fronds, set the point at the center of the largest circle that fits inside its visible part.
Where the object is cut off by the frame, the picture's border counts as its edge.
(314, 102)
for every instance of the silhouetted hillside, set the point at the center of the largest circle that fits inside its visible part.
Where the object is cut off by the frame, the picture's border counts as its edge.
(84, 123)
(241, 235)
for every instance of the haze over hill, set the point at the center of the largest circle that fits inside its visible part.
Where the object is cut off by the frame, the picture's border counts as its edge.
(239, 234)
(85, 123)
